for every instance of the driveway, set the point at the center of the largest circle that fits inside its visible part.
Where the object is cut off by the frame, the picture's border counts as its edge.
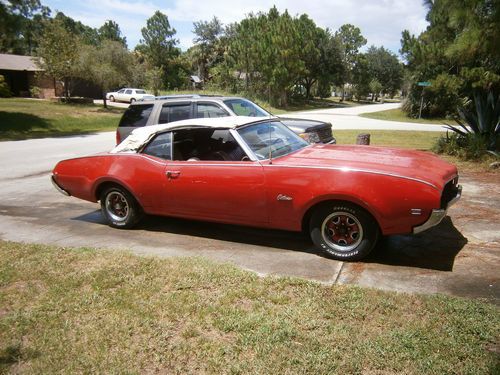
(112, 104)
(459, 257)
(348, 118)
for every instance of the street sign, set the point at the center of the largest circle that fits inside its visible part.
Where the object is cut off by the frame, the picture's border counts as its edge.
(424, 84)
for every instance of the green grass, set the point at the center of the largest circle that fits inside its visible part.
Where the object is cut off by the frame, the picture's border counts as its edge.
(398, 115)
(25, 118)
(391, 138)
(86, 311)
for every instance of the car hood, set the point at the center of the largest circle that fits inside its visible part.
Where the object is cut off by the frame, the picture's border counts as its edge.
(410, 164)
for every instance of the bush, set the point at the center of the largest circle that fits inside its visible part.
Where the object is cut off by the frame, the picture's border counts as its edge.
(478, 130)
(4, 88)
(467, 147)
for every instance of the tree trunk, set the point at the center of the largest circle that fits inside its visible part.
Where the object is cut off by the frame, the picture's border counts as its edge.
(343, 93)
(104, 99)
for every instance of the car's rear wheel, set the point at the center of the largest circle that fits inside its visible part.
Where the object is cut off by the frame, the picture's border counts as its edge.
(343, 230)
(111, 98)
(120, 208)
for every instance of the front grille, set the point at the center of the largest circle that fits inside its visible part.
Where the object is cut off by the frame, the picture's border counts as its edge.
(450, 191)
(325, 134)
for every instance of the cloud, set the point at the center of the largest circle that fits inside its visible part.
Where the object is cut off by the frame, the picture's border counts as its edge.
(381, 22)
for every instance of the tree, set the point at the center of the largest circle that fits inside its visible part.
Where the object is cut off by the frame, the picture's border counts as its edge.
(86, 34)
(457, 53)
(59, 52)
(385, 68)
(111, 31)
(20, 25)
(351, 40)
(107, 65)
(207, 51)
(158, 44)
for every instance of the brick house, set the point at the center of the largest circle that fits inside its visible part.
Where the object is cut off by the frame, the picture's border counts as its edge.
(22, 73)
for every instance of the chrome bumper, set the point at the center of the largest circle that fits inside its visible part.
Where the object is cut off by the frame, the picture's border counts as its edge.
(438, 215)
(58, 188)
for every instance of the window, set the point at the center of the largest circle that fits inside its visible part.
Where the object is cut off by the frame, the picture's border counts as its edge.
(243, 107)
(140, 91)
(207, 110)
(128, 92)
(160, 146)
(121, 91)
(206, 144)
(174, 112)
(136, 115)
(271, 139)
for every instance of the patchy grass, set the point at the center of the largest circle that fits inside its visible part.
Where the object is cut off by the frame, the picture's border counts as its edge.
(392, 138)
(85, 311)
(398, 115)
(25, 118)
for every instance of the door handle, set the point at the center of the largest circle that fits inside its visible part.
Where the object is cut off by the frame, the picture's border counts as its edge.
(173, 174)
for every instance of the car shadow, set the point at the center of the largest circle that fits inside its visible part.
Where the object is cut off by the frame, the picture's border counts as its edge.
(434, 249)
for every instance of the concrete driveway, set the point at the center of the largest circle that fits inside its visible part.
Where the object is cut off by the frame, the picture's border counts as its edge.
(348, 118)
(459, 257)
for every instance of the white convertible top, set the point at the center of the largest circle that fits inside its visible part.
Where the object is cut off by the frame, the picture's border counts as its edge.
(141, 136)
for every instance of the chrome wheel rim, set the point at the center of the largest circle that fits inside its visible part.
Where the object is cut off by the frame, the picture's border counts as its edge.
(342, 231)
(117, 206)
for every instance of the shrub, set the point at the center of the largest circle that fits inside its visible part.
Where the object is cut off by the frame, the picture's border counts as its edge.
(4, 88)
(478, 128)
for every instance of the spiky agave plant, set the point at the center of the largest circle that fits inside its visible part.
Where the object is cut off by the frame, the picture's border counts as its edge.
(481, 122)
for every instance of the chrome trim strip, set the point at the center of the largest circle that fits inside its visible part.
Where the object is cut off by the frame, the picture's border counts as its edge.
(243, 145)
(347, 169)
(204, 164)
(436, 217)
(58, 188)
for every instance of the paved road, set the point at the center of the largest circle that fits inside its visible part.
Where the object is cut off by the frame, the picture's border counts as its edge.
(348, 118)
(460, 257)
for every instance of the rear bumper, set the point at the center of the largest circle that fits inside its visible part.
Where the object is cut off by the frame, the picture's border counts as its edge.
(438, 215)
(58, 188)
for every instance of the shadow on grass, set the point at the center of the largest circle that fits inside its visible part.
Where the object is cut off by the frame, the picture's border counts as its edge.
(12, 122)
(17, 126)
(14, 354)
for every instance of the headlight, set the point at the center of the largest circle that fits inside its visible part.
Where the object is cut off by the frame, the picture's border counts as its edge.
(310, 137)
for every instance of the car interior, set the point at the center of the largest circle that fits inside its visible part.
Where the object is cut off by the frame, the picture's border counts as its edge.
(204, 144)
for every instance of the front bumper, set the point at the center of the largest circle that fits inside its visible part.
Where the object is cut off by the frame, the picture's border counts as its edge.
(438, 215)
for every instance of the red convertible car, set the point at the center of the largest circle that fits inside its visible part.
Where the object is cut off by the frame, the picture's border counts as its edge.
(240, 170)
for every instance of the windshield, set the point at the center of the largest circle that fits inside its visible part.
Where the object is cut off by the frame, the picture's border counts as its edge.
(243, 107)
(271, 137)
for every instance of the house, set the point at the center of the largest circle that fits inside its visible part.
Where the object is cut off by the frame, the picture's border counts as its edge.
(22, 73)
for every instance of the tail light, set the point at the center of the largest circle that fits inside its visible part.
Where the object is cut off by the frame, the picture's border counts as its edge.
(118, 138)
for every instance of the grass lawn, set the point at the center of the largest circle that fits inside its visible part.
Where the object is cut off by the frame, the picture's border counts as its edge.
(392, 138)
(86, 311)
(25, 118)
(398, 115)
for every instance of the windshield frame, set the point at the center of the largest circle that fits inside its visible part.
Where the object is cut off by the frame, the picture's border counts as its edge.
(270, 156)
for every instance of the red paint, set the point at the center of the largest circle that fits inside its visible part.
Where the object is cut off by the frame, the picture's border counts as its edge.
(387, 182)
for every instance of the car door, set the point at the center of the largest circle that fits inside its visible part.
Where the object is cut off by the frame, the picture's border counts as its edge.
(221, 190)
(126, 95)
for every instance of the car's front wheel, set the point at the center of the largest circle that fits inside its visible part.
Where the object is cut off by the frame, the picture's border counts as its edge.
(132, 100)
(343, 230)
(120, 208)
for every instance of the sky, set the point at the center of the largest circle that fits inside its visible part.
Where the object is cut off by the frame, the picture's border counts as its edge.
(381, 21)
